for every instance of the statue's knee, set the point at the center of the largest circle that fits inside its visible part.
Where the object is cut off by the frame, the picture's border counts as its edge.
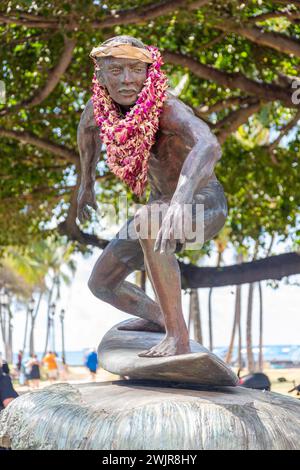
(92, 285)
(99, 289)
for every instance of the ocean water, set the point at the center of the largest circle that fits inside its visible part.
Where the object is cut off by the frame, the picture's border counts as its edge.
(281, 352)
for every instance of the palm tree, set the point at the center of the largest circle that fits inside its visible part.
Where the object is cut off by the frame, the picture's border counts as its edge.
(21, 275)
(26, 272)
(61, 267)
(60, 261)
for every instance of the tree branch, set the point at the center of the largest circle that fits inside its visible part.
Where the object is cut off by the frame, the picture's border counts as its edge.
(53, 79)
(213, 41)
(142, 14)
(31, 16)
(274, 14)
(273, 267)
(28, 138)
(135, 15)
(264, 91)
(224, 104)
(280, 42)
(30, 23)
(285, 130)
(289, 2)
(234, 120)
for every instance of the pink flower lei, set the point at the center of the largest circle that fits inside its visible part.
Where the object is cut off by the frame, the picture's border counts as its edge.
(128, 140)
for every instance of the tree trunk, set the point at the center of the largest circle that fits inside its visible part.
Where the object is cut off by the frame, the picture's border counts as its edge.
(48, 316)
(143, 280)
(10, 343)
(53, 334)
(250, 357)
(210, 326)
(9, 355)
(190, 317)
(31, 337)
(237, 313)
(5, 329)
(47, 333)
(2, 323)
(63, 351)
(25, 331)
(236, 319)
(140, 279)
(240, 358)
(195, 315)
(32, 325)
(260, 356)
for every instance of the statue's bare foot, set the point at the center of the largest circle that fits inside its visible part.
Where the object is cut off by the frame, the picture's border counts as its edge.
(169, 346)
(142, 325)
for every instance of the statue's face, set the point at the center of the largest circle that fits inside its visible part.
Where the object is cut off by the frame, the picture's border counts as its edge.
(123, 78)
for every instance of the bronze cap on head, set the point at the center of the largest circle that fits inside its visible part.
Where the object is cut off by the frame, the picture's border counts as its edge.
(123, 51)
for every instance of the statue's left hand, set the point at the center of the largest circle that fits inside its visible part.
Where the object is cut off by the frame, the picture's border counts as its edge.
(171, 230)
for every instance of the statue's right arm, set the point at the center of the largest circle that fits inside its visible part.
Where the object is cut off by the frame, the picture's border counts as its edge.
(89, 146)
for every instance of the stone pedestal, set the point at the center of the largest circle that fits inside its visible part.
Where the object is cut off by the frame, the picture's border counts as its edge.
(132, 415)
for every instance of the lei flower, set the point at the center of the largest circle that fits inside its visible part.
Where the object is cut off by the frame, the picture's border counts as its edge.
(129, 139)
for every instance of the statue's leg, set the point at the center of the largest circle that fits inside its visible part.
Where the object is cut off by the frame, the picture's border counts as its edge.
(107, 282)
(165, 274)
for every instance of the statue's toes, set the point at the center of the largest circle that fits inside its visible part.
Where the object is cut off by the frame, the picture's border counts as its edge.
(144, 353)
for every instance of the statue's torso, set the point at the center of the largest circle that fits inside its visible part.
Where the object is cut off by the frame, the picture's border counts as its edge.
(165, 163)
(167, 156)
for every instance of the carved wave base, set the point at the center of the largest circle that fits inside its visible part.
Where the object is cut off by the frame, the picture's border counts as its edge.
(128, 415)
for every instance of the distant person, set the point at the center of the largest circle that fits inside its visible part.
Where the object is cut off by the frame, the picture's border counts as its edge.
(52, 370)
(19, 360)
(91, 363)
(4, 366)
(34, 375)
(63, 369)
(7, 391)
(22, 375)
